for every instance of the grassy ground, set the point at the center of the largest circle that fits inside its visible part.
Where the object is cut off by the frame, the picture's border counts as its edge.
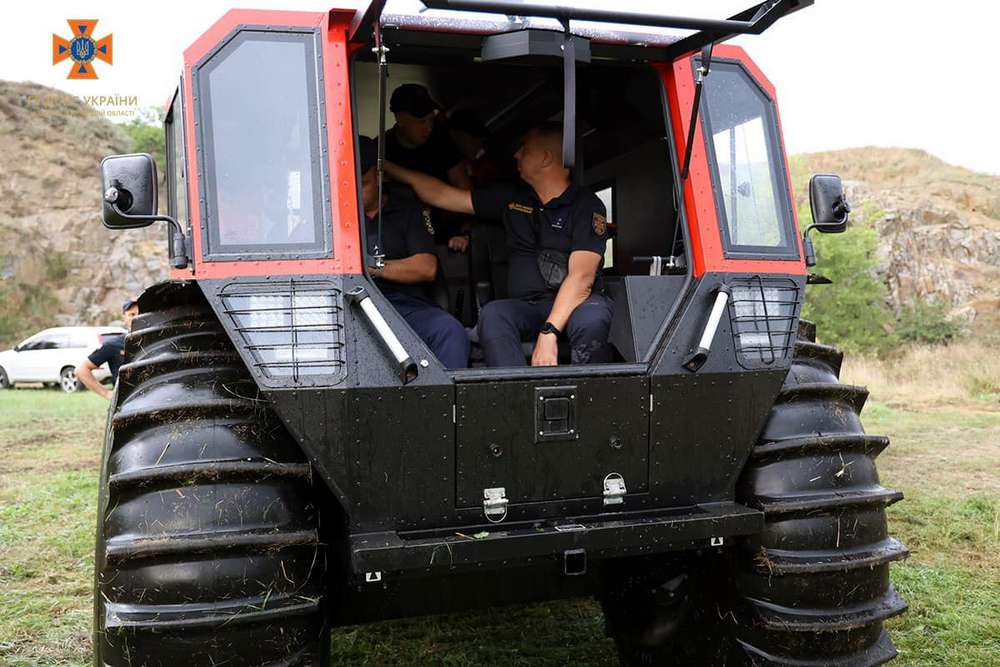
(947, 461)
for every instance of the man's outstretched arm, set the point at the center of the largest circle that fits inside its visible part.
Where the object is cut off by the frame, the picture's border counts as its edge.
(433, 191)
(85, 374)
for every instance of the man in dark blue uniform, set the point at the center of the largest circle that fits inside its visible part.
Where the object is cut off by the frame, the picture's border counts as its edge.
(418, 141)
(557, 233)
(111, 352)
(407, 279)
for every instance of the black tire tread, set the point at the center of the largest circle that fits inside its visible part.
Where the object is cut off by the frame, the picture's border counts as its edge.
(202, 483)
(814, 585)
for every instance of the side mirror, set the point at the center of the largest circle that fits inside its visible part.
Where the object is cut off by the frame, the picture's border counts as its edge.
(829, 207)
(129, 189)
(829, 213)
(130, 199)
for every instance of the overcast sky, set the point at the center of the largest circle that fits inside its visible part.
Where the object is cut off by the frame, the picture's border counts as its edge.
(911, 73)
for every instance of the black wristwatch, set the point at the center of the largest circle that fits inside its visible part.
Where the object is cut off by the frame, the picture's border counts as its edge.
(548, 327)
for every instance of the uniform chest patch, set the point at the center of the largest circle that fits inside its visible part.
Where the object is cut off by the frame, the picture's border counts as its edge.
(557, 223)
(520, 208)
(428, 225)
(600, 224)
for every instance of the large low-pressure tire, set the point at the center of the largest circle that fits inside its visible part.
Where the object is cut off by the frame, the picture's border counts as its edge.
(814, 585)
(208, 542)
(665, 611)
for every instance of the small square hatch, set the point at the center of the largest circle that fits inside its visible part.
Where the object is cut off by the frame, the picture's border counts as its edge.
(555, 414)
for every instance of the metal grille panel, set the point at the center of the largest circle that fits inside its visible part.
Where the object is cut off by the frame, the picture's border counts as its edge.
(764, 314)
(292, 329)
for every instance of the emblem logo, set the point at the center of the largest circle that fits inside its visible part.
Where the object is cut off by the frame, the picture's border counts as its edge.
(428, 225)
(81, 49)
(600, 224)
(520, 208)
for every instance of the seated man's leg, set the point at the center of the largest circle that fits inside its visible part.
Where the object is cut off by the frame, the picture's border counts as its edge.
(503, 324)
(443, 333)
(587, 330)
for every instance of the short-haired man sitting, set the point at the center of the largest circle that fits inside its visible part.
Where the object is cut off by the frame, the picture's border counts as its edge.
(410, 268)
(557, 234)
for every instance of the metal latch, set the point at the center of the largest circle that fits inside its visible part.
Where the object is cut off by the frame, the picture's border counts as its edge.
(495, 504)
(614, 489)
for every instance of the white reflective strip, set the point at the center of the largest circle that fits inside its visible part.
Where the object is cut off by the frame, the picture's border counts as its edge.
(713, 320)
(382, 327)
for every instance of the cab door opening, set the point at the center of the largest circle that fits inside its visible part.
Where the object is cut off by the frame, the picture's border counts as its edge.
(624, 156)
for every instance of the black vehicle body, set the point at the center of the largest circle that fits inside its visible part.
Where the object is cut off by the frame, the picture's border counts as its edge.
(408, 464)
(445, 490)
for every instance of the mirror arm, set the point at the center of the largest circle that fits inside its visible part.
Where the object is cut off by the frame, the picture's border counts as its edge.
(179, 256)
(807, 245)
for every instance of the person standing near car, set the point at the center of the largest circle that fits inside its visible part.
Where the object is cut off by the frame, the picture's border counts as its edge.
(111, 352)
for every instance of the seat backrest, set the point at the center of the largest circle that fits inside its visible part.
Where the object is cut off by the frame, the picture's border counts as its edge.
(489, 259)
(644, 212)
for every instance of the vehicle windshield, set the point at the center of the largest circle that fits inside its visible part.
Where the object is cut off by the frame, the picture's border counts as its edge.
(266, 184)
(749, 175)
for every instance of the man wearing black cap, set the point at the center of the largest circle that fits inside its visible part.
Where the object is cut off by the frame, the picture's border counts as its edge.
(407, 279)
(417, 142)
(111, 352)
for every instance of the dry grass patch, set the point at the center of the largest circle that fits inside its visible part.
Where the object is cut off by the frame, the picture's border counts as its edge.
(924, 376)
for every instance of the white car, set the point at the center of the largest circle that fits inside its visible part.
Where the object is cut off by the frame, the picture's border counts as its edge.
(51, 357)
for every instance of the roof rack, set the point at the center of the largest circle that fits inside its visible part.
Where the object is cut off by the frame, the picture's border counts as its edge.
(751, 21)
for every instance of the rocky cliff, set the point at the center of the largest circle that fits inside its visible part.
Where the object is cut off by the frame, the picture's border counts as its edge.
(938, 225)
(58, 264)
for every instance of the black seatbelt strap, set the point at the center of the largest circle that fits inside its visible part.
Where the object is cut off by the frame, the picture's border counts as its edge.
(699, 84)
(569, 98)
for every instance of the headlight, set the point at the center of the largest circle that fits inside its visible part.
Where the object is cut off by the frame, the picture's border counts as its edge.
(764, 313)
(290, 330)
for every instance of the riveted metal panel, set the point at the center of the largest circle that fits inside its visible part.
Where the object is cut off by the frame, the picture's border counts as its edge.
(497, 439)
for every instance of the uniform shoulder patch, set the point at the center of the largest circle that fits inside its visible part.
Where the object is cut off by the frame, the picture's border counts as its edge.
(425, 213)
(521, 208)
(600, 224)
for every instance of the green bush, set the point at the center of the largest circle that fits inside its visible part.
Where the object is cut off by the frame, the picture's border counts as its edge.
(57, 265)
(24, 310)
(146, 133)
(926, 322)
(851, 313)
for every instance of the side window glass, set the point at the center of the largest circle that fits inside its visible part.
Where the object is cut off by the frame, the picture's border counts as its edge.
(259, 107)
(748, 173)
(607, 197)
(43, 342)
(175, 176)
(29, 344)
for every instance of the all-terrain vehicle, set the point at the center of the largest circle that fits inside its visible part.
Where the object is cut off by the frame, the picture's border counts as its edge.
(285, 455)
